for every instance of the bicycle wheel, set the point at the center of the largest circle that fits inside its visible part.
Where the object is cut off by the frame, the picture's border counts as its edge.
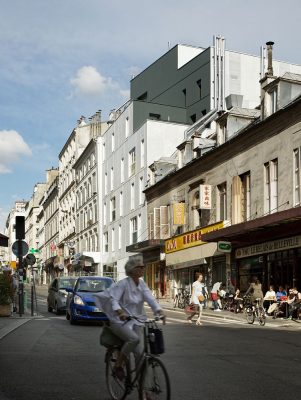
(116, 387)
(154, 383)
(181, 303)
(250, 316)
(261, 316)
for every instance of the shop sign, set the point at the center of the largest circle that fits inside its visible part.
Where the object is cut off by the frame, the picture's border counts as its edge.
(205, 197)
(269, 247)
(224, 247)
(190, 239)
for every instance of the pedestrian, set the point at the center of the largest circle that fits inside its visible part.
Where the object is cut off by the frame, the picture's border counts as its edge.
(198, 297)
(255, 290)
(215, 297)
(123, 299)
(269, 298)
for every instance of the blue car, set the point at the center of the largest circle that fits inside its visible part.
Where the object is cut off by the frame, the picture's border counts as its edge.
(80, 300)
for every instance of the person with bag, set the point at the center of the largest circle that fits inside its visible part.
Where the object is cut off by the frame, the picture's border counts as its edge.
(215, 297)
(123, 299)
(197, 299)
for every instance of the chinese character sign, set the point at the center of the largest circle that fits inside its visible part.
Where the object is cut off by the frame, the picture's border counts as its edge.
(205, 197)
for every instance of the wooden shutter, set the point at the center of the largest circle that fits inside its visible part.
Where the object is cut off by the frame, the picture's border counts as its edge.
(156, 223)
(164, 223)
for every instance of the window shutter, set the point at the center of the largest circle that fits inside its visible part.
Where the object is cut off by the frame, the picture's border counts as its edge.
(236, 200)
(151, 225)
(156, 223)
(164, 225)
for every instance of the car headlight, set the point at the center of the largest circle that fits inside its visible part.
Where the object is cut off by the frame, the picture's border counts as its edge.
(62, 293)
(78, 300)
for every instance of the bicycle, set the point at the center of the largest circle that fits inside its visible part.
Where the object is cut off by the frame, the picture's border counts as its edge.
(151, 378)
(182, 299)
(253, 311)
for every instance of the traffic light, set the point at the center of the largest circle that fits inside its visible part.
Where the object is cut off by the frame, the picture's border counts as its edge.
(20, 227)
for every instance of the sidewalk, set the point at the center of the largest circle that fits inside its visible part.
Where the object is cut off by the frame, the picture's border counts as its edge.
(9, 324)
(280, 322)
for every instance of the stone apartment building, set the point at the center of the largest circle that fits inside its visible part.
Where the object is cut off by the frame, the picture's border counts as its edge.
(238, 204)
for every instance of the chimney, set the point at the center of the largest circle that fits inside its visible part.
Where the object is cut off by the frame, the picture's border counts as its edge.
(270, 58)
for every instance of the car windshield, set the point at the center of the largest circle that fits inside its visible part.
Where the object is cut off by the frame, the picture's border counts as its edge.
(92, 285)
(66, 283)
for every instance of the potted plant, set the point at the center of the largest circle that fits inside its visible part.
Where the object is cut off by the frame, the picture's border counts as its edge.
(6, 294)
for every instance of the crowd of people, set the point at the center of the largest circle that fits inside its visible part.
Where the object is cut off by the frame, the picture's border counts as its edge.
(285, 303)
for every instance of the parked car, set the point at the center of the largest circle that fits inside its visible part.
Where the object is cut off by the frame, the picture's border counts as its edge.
(57, 293)
(80, 300)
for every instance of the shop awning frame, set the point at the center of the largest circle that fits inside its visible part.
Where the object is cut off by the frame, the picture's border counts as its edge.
(273, 226)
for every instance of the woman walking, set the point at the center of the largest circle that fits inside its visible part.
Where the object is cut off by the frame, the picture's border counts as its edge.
(198, 295)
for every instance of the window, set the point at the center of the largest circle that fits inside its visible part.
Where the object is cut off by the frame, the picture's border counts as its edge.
(271, 186)
(185, 97)
(154, 116)
(133, 230)
(193, 118)
(142, 154)
(274, 99)
(143, 97)
(132, 162)
(106, 183)
(246, 196)
(113, 240)
(222, 201)
(199, 83)
(113, 141)
(241, 198)
(103, 151)
(112, 178)
(113, 209)
(297, 177)
(105, 242)
(119, 237)
(104, 214)
(120, 204)
(132, 196)
(122, 170)
(127, 127)
(141, 194)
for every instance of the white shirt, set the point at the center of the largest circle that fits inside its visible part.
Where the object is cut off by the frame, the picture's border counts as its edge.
(197, 290)
(270, 295)
(128, 296)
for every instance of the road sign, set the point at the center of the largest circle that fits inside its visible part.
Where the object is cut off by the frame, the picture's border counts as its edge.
(30, 259)
(24, 248)
(224, 247)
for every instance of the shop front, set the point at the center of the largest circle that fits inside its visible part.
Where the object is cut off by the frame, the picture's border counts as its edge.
(268, 248)
(187, 254)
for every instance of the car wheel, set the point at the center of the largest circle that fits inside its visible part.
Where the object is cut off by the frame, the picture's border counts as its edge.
(72, 320)
(49, 308)
(57, 311)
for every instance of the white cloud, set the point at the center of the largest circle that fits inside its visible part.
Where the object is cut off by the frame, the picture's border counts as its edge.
(12, 148)
(89, 81)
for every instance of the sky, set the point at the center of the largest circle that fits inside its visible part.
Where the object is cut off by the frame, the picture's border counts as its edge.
(61, 59)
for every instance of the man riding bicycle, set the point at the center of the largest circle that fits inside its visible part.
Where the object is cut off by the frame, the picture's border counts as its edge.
(126, 298)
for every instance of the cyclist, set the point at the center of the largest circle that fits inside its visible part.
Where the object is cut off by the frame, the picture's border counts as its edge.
(125, 298)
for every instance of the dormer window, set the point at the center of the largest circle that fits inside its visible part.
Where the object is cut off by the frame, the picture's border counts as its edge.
(274, 100)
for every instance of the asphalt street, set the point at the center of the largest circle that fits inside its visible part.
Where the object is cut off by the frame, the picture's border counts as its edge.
(47, 358)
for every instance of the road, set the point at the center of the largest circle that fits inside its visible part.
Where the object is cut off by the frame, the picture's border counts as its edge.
(47, 358)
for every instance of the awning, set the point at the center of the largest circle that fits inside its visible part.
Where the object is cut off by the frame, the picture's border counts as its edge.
(273, 226)
(85, 258)
(146, 245)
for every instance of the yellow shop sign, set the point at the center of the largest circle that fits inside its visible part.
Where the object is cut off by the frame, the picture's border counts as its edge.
(190, 239)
